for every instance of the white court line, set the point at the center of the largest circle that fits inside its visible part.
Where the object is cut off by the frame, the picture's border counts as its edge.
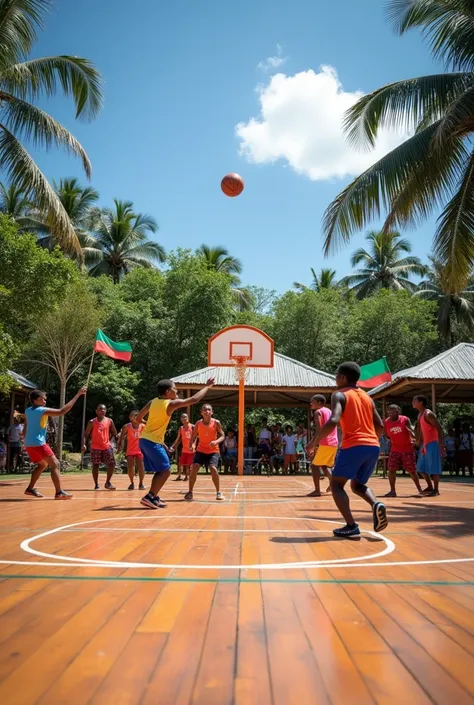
(25, 546)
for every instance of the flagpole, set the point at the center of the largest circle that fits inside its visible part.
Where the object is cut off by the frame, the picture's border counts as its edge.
(84, 409)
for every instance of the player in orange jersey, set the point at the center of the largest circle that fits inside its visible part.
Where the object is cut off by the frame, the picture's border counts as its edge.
(361, 427)
(209, 434)
(130, 435)
(184, 439)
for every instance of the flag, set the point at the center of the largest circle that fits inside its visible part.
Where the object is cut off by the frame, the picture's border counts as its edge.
(118, 351)
(374, 374)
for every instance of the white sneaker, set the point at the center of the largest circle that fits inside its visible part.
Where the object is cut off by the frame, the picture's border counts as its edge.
(220, 496)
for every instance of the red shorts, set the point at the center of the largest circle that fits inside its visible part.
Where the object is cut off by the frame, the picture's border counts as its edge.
(135, 455)
(39, 453)
(402, 461)
(186, 459)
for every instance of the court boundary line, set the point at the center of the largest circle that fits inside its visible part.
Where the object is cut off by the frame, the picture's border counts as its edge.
(157, 579)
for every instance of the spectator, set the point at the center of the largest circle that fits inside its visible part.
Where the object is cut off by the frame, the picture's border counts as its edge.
(250, 443)
(15, 435)
(265, 433)
(464, 453)
(230, 451)
(3, 453)
(277, 450)
(289, 449)
(450, 445)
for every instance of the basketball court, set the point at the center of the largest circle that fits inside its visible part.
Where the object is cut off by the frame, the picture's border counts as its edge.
(251, 600)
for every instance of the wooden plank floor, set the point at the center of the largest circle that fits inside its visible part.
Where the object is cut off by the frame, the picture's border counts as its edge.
(251, 601)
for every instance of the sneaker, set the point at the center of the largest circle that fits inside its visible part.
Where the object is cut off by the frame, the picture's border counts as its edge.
(33, 493)
(159, 503)
(427, 490)
(390, 494)
(380, 516)
(97, 487)
(347, 531)
(131, 487)
(189, 496)
(147, 501)
(434, 493)
(219, 496)
(141, 487)
(109, 486)
(177, 479)
(62, 495)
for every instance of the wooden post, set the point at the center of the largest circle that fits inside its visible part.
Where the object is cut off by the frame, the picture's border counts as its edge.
(433, 397)
(84, 409)
(240, 455)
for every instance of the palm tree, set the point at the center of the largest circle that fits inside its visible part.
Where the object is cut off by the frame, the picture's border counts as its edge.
(324, 280)
(121, 241)
(23, 80)
(435, 166)
(383, 266)
(79, 204)
(219, 259)
(453, 305)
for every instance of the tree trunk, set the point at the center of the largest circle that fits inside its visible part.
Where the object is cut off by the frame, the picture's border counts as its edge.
(62, 401)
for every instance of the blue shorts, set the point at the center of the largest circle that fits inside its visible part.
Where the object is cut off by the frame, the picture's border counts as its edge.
(430, 461)
(155, 457)
(356, 463)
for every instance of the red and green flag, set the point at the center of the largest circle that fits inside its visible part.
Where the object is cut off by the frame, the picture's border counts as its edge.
(374, 374)
(118, 351)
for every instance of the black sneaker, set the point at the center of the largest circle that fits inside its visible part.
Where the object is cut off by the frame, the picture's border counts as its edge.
(380, 516)
(131, 487)
(159, 502)
(434, 493)
(109, 486)
(147, 501)
(189, 496)
(141, 487)
(62, 495)
(97, 487)
(347, 531)
(33, 493)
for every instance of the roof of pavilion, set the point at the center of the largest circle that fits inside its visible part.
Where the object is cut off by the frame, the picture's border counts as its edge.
(288, 383)
(451, 372)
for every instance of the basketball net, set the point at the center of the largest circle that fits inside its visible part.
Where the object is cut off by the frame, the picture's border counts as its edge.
(240, 362)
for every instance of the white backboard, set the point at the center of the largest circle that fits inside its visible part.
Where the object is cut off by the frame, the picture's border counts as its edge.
(235, 341)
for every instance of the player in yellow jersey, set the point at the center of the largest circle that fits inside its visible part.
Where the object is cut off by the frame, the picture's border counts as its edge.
(152, 437)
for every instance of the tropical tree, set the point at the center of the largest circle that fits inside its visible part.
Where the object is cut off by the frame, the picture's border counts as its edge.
(453, 306)
(435, 166)
(79, 204)
(324, 280)
(219, 260)
(14, 203)
(23, 80)
(121, 241)
(383, 265)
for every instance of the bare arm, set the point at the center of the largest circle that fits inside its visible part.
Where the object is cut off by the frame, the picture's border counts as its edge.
(432, 419)
(337, 407)
(25, 426)
(220, 437)
(378, 423)
(317, 427)
(67, 407)
(87, 433)
(410, 430)
(113, 430)
(176, 442)
(194, 435)
(121, 438)
(195, 399)
(143, 412)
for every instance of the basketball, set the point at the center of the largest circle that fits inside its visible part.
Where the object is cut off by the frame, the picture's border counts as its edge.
(232, 185)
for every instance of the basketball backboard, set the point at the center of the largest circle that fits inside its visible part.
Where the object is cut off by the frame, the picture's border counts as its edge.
(229, 345)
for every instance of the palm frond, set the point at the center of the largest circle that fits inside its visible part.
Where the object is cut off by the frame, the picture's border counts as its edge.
(26, 120)
(454, 237)
(382, 184)
(19, 22)
(151, 251)
(76, 76)
(458, 119)
(447, 24)
(25, 175)
(403, 105)
(299, 286)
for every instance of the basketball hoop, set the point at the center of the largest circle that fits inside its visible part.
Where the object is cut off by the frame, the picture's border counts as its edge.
(240, 362)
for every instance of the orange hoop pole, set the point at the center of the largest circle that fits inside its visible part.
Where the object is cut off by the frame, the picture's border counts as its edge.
(240, 455)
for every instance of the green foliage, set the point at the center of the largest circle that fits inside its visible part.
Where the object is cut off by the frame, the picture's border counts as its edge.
(7, 353)
(115, 385)
(394, 324)
(309, 326)
(33, 280)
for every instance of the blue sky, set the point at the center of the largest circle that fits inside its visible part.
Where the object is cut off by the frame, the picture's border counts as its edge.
(179, 77)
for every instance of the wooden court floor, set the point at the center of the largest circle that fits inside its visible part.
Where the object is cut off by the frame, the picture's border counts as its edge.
(251, 601)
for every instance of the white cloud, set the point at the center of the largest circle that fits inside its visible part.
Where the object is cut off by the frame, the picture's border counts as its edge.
(300, 122)
(273, 62)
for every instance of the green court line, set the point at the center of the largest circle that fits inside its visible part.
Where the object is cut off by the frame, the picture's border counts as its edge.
(152, 579)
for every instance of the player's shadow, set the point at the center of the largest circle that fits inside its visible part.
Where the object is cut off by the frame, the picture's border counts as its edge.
(310, 539)
(15, 499)
(437, 520)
